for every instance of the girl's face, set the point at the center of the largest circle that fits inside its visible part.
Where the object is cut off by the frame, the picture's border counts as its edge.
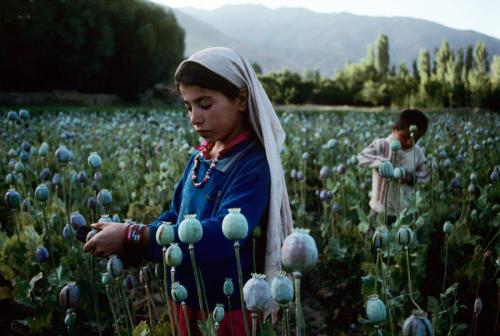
(214, 116)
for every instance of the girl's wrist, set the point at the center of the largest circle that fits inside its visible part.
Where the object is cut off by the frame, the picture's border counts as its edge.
(135, 236)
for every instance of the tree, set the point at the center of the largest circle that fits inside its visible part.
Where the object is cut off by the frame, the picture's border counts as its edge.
(257, 68)
(117, 46)
(478, 78)
(382, 60)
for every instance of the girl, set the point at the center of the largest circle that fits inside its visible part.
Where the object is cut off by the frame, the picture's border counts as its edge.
(236, 166)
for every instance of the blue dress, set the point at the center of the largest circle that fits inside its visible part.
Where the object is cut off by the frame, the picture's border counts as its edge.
(241, 179)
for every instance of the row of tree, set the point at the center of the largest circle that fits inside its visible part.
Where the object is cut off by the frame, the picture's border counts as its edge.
(114, 46)
(450, 78)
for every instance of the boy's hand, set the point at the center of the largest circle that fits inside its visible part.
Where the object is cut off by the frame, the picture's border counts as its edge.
(408, 179)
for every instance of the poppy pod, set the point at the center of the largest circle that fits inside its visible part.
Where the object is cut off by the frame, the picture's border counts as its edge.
(386, 169)
(228, 287)
(299, 251)
(42, 193)
(94, 161)
(77, 220)
(380, 237)
(173, 255)
(12, 199)
(257, 293)
(417, 325)
(395, 145)
(405, 235)
(69, 296)
(165, 234)
(190, 230)
(375, 310)
(235, 225)
(179, 292)
(218, 314)
(114, 266)
(282, 289)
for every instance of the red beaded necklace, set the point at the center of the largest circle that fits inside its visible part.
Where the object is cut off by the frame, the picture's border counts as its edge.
(206, 149)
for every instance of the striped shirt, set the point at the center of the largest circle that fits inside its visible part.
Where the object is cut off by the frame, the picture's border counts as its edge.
(399, 194)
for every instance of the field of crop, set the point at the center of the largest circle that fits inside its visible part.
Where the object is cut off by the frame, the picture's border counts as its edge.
(437, 265)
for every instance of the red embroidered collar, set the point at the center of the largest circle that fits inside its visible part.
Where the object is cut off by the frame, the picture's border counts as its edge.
(206, 147)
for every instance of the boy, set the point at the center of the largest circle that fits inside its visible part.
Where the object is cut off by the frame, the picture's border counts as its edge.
(380, 150)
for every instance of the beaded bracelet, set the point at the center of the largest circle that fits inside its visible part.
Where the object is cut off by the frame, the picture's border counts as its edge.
(133, 234)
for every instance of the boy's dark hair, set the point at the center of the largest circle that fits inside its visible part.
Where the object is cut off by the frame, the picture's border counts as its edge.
(192, 73)
(409, 117)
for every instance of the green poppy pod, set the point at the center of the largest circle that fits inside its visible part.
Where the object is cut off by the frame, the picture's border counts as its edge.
(417, 325)
(63, 155)
(228, 287)
(448, 227)
(405, 235)
(380, 237)
(235, 225)
(395, 145)
(299, 251)
(179, 292)
(218, 314)
(43, 149)
(375, 310)
(42, 193)
(11, 178)
(173, 255)
(399, 173)
(165, 234)
(257, 232)
(114, 266)
(19, 167)
(190, 230)
(12, 199)
(257, 293)
(282, 288)
(105, 219)
(413, 128)
(69, 319)
(386, 169)
(94, 161)
(24, 156)
(12, 153)
(12, 116)
(106, 278)
(24, 114)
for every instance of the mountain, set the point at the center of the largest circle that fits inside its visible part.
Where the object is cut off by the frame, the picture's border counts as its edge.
(200, 35)
(300, 39)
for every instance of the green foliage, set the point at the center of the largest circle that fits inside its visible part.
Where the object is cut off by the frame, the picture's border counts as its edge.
(453, 80)
(120, 46)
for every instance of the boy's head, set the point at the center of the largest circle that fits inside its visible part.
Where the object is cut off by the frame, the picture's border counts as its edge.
(401, 127)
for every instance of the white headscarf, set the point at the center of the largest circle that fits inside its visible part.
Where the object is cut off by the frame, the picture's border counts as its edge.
(232, 66)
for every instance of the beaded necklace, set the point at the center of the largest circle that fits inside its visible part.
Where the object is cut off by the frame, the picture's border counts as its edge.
(197, 160)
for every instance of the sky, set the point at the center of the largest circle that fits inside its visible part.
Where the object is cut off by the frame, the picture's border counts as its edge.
(479, 15)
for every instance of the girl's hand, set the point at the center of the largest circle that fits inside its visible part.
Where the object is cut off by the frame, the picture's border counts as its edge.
(108, 241)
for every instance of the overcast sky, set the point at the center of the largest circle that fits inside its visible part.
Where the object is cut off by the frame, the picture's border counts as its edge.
(479, 15)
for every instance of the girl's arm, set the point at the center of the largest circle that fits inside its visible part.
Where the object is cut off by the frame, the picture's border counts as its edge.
(372, 155)
(249, 191)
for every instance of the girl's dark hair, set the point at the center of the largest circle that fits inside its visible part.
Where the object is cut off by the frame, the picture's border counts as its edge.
(192, 73)
(410, 117)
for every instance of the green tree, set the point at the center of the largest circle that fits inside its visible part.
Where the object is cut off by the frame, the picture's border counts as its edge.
(478, 78)
(382, 60)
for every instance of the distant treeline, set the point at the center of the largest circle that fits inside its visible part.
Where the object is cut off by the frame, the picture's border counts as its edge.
(122, 47)
(448, 79)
